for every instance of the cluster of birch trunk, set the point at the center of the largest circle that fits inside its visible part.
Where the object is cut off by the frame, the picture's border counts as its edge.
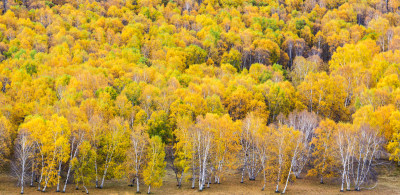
(294, 147)
(55, 152)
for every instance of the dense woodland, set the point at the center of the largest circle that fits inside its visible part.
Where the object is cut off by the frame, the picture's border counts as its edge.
(273, 90)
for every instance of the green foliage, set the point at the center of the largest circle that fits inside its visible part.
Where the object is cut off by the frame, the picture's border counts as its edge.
(159, 126)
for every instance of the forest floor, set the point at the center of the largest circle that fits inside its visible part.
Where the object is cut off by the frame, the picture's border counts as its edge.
(388, 184)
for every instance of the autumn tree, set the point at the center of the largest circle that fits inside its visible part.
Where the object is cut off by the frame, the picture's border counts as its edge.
(5, 133)
(324, 162)
(183, 148)
(115, 142)
(136, 153)
(23, 151)
(155, 168)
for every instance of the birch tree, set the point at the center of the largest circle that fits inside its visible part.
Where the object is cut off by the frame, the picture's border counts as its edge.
(293, 150)
(305, 122)
(96, 125)
(203, 145)
(367, 149)
(345, 141)
(183, 154)
(263, 143)
(115, 142)
(249, 152)
(136, 153)
(155, 168)
(23, 157)
(37, 128)
(56, 149)
(5, 132)
(324, 162)
(80, 133)
(82, 165)
(284, 150)
(226, 143)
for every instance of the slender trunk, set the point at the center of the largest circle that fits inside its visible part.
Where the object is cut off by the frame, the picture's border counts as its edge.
(70, 161)
(265, 181)
(279, 176)
(291, 166)
(108, 160)
(244, 166)
(66, 180)
(45, 185)
(41, 175)
(137, 184)
(277, 187)
(95, 168)
(83, 184)
(104, 176)
(48, 174)
(287, 179)
(323, 167)
(193, 179)
(87, 191)
(342, 187)
(22, 176)
(180, 182)
(58, 176)
(33, 174)
(348, 182)
(148, 191)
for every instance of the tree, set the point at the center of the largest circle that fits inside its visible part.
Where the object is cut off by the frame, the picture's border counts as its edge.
(295, 140)
(251, 125)
(367, 148)
(345, 141)
(136, 153)
(23, 151)
(159, 125)
(56, 149)
(285, 151)
(80, 133)
(5, 133)
(97, 126)
(225, 144)
(380, 26)
(62, 127)
(155, 168)
(238, 103)
(324, 162)
(203, 136)
(301, 68)
(183, 148)
(305, 123)
(82, 165)
(393, 145)
(264, 145)
(280, 97)
(115, 142)
(51, 142)
(36, 126)
(324, 95)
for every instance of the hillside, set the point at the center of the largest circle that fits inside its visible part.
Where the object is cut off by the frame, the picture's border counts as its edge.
(167, 92)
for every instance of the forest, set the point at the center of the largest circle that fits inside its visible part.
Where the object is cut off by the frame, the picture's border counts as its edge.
(267, 90)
